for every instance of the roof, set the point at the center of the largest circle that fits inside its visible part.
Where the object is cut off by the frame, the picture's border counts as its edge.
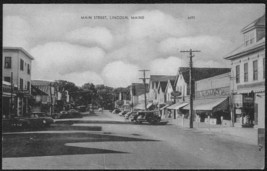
(173, 84)
(202, 73)
(260, 22)
(139, 88)
(41, 82)
(37, 91)
(162, 77)
(20, 49)
(163, 85)
(242, 50)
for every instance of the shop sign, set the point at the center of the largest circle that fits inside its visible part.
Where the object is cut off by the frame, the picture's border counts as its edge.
(248, 99)
(238, 111)
(225, 91)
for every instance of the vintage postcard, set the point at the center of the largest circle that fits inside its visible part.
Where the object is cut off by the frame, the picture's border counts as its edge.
(133, 86)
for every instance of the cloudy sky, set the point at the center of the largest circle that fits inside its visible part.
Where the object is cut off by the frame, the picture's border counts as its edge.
(112, 51)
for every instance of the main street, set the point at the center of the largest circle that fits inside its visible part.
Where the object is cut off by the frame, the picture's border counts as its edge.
(105, 141)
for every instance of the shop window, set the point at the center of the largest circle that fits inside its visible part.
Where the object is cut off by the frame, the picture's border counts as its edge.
(237, 74)
(21, 64)
(7, 79)
(21, 83)
(246, 72)
(8, 62)
(255, 70)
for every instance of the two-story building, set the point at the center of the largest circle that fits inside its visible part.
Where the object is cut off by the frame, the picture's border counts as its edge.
(182, 84)
(248, 76)
(212, 99)
(17, 70)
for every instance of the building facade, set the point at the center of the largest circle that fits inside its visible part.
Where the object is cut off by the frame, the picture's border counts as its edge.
(248, 76)
(17, 64)
(212, 99)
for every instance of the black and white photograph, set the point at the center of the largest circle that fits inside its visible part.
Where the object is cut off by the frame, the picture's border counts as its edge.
(128, 86)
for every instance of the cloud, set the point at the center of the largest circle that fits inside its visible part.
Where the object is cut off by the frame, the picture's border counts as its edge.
(64, 58)
(138, 52)
(168, 66)
(118, 74)
(91, 35)
(84, 77)
(156, 24)
(207, 44)
(16, 32)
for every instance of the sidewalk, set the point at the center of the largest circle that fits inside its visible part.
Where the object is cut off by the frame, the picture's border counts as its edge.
(248, 135)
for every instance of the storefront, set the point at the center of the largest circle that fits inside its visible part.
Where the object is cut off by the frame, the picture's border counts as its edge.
(175, 109)
(215, 108)
(8, 100)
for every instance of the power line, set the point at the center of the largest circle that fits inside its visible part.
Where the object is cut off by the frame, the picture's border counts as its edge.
(190, 83)
(144, 81)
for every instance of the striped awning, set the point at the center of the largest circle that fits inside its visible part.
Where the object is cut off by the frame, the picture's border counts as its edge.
(142, 106)
(177, 106)
(212, 104)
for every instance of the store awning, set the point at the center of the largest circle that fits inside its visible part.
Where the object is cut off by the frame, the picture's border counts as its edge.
(164, 107)
(142, 106)
(213, 104)
(177, 106)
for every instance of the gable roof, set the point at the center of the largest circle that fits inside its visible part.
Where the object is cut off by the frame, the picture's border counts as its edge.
(172, 84)
(260, 22)
(201, 73)
(242, 50)
(163, 85)
(36, 91)
(139, 88)
(162, 77)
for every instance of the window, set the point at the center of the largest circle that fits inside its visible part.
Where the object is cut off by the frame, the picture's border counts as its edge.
(252, 39)
(263, 61)
(246, 72)
(237, 69)
(28, 85)
(255, 70)
(21, 84)
(8, 79)
(29, 69)
(8, 62)
(246, 39)
(21, 64)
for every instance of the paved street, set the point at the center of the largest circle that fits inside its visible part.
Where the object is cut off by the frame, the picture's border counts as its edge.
(112, 143)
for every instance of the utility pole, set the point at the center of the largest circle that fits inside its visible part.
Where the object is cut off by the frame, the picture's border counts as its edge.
(11, 108)
(144, 80)
(190, 84)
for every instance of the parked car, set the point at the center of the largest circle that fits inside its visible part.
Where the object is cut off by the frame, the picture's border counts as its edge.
(128, 114)
(14, 122)
(100, 109)
(81, 108)
(72, 113)
(116, 111)
(122, 113)
(42, 119)
(151, 117)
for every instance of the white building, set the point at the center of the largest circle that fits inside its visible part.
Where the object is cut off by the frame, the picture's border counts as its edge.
(17, 62)
(248, 76)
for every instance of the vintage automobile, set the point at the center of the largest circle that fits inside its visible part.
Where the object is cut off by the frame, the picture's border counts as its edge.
(72, 113)
(40, 119)
(32, 120)
(151, 117)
